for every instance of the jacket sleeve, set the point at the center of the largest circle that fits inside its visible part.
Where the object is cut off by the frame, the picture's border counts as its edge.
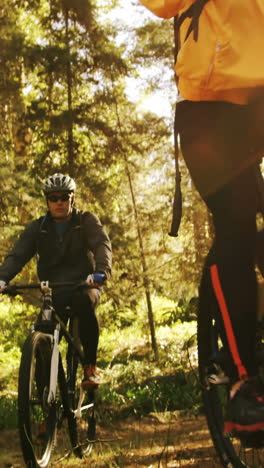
(22, 252)
(99, 243)
(166, 8)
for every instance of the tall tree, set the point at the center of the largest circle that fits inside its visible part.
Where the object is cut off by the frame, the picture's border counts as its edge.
(143, 261)
(65, 65)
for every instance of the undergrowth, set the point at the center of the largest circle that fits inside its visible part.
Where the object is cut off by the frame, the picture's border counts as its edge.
(133, 383)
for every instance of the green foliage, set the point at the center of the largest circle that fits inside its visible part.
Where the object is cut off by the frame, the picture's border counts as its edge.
(133, 394)
(8, 411)
(168, 312)
(9, 362)
(15, 320)
(168, 393)
(133, 383)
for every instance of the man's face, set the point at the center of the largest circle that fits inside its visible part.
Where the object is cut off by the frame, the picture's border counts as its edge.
(60, 205)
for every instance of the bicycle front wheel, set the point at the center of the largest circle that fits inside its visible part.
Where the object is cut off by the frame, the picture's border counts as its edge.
(36, 418)
(233, 451)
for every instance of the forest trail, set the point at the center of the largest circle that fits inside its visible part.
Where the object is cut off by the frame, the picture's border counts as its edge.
(152, 442)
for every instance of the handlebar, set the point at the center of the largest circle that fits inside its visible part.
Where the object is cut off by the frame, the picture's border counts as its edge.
(13, 289)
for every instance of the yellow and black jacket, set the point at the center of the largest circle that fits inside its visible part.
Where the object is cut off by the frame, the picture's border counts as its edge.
(226, 62)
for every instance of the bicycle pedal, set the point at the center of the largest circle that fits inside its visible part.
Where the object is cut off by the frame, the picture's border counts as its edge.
(218, 379)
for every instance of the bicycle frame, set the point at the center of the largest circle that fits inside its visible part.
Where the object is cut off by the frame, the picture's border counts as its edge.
(54, 371)
(54, 365)
(47, 314)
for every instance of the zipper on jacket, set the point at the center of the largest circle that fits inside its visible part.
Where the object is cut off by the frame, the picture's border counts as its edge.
(212, 64)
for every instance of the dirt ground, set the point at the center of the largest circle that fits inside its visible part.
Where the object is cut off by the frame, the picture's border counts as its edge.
(151, 442)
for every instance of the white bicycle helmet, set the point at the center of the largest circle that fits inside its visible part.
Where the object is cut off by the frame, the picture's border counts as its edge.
(59, 183)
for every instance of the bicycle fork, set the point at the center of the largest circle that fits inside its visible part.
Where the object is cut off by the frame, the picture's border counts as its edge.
(54, 366)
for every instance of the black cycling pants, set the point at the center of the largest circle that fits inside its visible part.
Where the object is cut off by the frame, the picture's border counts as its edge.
(220, 144)
(81, 305)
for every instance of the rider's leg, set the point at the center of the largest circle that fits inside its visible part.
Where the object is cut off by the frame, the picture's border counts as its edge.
(230, 266)
(216, 145)
(85, 305)
(88, 326)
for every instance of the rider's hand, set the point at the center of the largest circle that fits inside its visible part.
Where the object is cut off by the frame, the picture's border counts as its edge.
(96, 279)
(2, 285)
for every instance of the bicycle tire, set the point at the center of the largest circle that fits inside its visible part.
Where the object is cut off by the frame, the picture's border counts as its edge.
(85, 428)
(232, 451)
(36, 419)
(68, 411)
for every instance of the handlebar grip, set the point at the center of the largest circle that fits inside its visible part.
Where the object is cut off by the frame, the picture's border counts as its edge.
(10, 290)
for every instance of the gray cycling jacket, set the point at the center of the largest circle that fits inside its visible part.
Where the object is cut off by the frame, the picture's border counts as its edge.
(85, 247)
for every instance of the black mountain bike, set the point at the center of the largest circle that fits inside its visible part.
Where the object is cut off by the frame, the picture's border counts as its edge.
(49, 387)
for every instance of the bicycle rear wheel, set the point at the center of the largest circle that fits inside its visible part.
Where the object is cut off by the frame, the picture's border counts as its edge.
(36, 418)
(233, 451)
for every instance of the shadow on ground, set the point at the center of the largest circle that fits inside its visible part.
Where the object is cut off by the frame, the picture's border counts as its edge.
(157, 441)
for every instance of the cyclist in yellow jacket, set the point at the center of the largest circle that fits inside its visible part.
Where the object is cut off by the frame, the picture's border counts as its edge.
(220, 117)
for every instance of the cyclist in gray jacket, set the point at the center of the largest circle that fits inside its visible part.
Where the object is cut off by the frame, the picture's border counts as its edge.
(70, 246)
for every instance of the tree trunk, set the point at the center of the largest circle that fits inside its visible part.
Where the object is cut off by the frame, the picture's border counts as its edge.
(146, 282)
(70, 143)
(144, 267)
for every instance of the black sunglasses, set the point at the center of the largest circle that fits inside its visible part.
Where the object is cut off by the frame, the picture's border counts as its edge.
(54, 198)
